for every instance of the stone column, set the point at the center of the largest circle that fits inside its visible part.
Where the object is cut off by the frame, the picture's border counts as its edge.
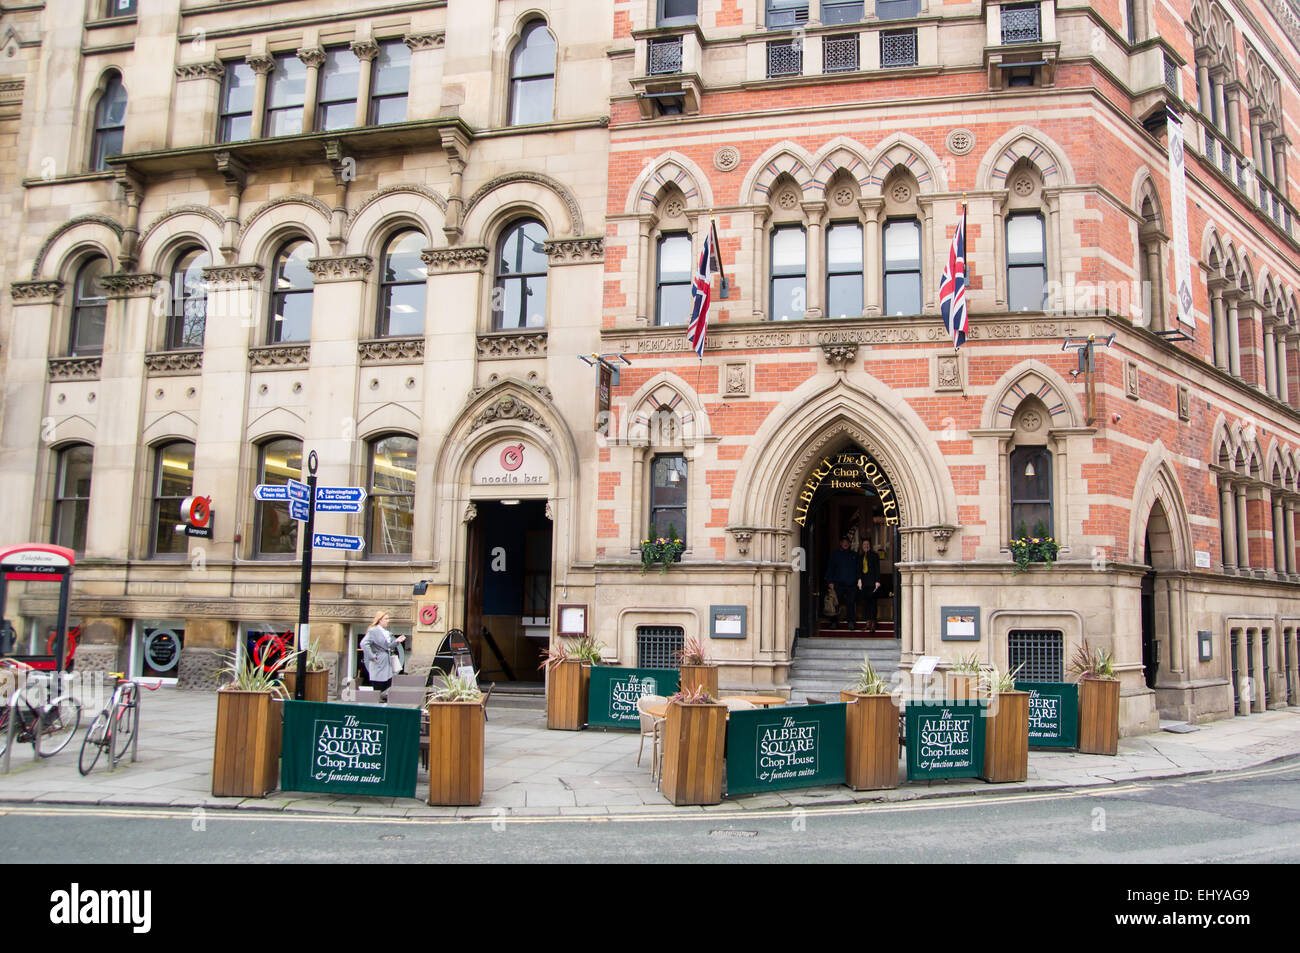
(815, 296)
(313, 58)
(1279, 536)
(1228, 525)
(365, 51)
(1257, 694)
(929, 287)
(1244, 686)
(1232, 118)
(1177, 631)
(1154, 297)
(643, 286)
(1234, 333)
(760, 264)
(1220, 329)
(1243, 528)
(1205, 90)
(999, 256)
(873, 256)
(1280, 373)
(1052, 199)
(1270, 358)
(1279, 162)
(261, 65)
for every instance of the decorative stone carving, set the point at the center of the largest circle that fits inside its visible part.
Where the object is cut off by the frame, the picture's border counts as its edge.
(844, 196)
(961, 141)
(36, 292)
(391, 350)
(75, 368)
(1023, 185)
(901, 193)
(233, 277)
(364, 50)
(461, 258)
(742, 535)
(1131, 380)
(471, 513)
(948, 372)
(424, 41)
(311, 56)
(737, 380)
(200, 71)
(1184, 404)
(788, 199)
(726, 158)
(342, 268)
(941, 536)
(173, 362)
(509, 408)
(260, 63)
(276, 356)
(550, 511)
(497, 346)
(129, 285)
(840, 356)
(559, 188)
(569, 251)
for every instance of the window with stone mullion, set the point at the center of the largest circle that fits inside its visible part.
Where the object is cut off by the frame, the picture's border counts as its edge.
(236, 119)
(189, 301)
(789, 273)
(844, 270)
(173, 482)
(668, 480)
(89, 310)
(1031, 492)
(72, 497)
(340, 78)
(673, 297)
(286, 92)
(391, 83)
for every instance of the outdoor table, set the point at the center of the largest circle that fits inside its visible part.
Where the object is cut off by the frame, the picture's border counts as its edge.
(762, 701)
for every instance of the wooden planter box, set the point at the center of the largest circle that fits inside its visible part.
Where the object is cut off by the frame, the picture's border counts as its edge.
(1006, 739)
(456, 733)
(246, 753)
(566, 695)
(1098, 715)
(870, 741)
(961, 687)
(705, 676)
(694, 736)
(315, 689)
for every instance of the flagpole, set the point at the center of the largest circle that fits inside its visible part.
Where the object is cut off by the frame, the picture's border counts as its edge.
(965, 266)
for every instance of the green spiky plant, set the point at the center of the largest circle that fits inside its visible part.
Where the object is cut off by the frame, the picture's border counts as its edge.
(969, 664)
(994, 681)
(585, 649)
(244, 676)
(1087, 662)
(455, 688)
(869, 681)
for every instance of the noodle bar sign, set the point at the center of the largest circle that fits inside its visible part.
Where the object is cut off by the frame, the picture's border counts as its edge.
(944, 740)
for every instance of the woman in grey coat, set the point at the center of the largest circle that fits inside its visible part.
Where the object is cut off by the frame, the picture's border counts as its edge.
(377, 647)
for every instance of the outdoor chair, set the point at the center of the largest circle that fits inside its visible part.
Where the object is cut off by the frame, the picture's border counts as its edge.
(738, 704)
(406, 697)
(809, 700)
(368, 696)
(650, 725)
(487, 696)
(409, 681)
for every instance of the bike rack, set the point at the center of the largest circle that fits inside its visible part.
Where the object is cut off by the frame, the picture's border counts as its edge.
(135, 737)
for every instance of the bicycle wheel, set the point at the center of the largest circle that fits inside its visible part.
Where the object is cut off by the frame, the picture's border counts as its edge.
(93, 745)
(59, 721)
(4, 729)
(124, 724)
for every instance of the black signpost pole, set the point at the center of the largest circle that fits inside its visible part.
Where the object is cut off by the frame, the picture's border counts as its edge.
(60, 635)
(304, 597)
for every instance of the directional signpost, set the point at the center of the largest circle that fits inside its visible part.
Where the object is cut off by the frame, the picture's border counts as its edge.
(337, 541)
(270, 493)
(339, 499)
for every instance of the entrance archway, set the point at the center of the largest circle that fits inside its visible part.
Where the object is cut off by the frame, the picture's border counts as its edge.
(1158, 554)
(846, 501)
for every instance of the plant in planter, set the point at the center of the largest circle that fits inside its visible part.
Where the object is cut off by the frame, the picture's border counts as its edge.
(568, 674)
(1098, 699)
(246, 752)
(694, 735)
(1038, 548)
(962, 679)
(1006, 727)
(870, 732)
(316, 685)
(696, 669)
(457, 728)
(664, 550)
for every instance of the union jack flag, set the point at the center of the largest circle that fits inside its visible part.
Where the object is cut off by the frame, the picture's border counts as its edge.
(952, 290)
(701, 292)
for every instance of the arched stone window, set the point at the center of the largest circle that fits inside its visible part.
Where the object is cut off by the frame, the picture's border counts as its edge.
(173, 481)
(519, 284)
(291, 294)
(402, 293)
(532, 76)
(89, 309)
(275, 533)
(390, 500)
(72, 496)
(110, 122)
(188, 303)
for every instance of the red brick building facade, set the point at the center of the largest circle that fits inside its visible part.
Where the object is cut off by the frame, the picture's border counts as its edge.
(834, 146)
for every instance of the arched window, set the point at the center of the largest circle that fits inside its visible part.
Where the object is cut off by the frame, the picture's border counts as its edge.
(673, 298)
(532, 76)
(668, 496)
(519, 291)
(72, 496)
(173, 480)
(1031, 492)
(844, 270)
(291, 294)
(1026, 262)
(110, 122)
(902, 266)
(276, 533)
(188, 311)
(390, 503)
(401, 286)
(789, 273)
(89, 308)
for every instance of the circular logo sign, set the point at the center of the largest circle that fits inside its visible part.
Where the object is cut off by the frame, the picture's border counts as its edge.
(428, 615)
(197, 510)
(512, 458)
(162, 649)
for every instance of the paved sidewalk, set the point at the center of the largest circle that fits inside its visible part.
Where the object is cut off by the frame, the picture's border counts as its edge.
(532, 771)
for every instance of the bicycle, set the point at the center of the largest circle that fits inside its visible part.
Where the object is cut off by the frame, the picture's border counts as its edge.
(115, 726)
(48, 726)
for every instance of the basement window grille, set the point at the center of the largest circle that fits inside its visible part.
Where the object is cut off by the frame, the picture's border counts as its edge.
(658, 646)
(840, 54)
(897, 48)
(1040, 651)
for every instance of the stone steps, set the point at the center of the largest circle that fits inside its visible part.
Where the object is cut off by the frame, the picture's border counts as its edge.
(824, 667)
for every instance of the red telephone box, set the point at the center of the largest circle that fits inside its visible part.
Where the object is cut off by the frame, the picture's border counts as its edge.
(40, 562)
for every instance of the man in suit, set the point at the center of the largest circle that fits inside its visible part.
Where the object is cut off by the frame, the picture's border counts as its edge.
(869, 581)
(842, 573)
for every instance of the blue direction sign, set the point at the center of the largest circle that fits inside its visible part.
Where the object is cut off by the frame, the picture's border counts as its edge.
(337, 506)
(299, 491)
(298, 510)
(340, 494)
(334, 541)
(270, 493)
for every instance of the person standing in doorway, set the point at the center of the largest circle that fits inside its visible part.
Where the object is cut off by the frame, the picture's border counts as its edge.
(869, 582)
(377, 647)
(842, 573)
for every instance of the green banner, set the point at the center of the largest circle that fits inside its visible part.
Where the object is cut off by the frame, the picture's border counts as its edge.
(613, 692)
(787, 746)
(945, 739)
(1053, 714)
(350, 749)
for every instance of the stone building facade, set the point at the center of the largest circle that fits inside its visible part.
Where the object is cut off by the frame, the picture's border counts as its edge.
(215, 273)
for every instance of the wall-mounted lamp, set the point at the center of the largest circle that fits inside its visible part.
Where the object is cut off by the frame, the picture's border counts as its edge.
(421, 587)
